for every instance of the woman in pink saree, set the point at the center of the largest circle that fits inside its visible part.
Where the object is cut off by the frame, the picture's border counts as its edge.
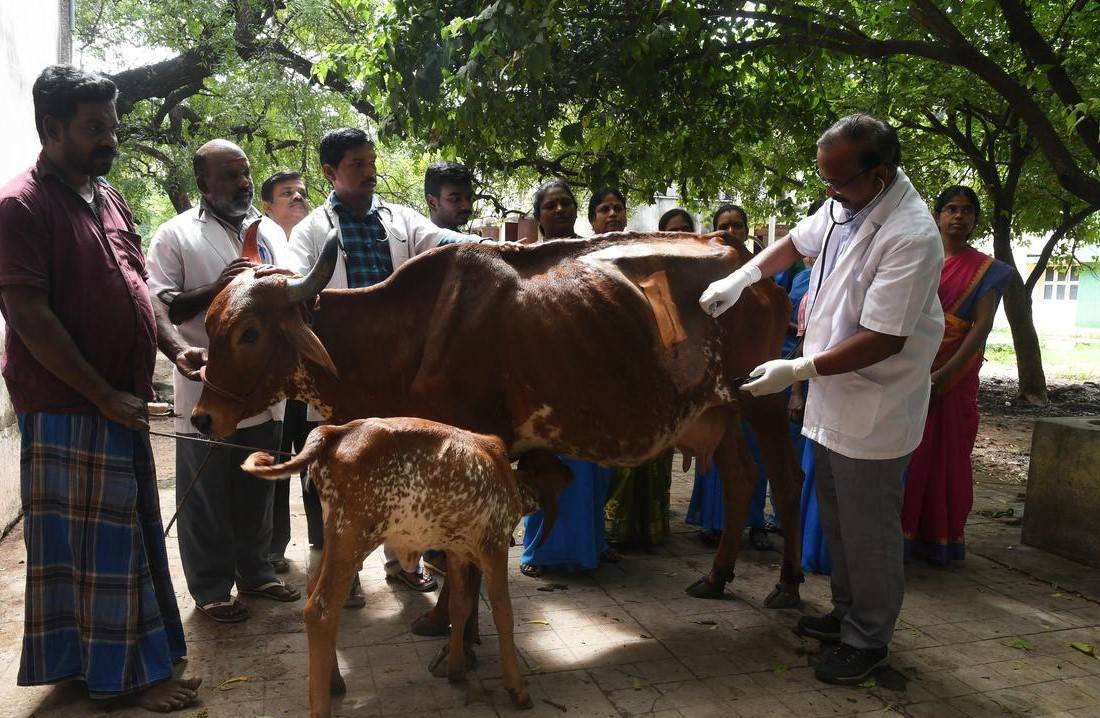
(939, 488)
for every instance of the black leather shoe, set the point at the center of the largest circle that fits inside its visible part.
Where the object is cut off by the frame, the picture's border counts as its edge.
(824, 628)
(848, 665)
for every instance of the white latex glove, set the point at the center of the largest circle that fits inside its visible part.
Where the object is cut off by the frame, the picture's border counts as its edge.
(776, 375)
(724, 293)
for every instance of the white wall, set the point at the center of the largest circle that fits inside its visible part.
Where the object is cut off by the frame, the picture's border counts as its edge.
(29, 41)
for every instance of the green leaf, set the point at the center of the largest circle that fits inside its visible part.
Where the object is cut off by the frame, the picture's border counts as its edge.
(1087, 648)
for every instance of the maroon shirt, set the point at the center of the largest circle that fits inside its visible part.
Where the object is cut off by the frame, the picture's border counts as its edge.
(94, 272)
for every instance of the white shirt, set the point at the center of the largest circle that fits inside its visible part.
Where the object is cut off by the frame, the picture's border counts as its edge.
(408, 233)
(274, 231)
(190, 251)
(885, 279)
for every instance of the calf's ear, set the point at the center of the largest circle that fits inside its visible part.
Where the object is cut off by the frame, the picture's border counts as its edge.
(306, 342)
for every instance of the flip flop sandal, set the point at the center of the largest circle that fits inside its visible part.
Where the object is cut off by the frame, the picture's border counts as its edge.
(280, 564)
(530, 570)
(231, 611)
(273, 591)
(424, 582)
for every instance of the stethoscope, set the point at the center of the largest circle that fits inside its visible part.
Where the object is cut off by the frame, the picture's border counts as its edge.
(334, 223)
(824, 257)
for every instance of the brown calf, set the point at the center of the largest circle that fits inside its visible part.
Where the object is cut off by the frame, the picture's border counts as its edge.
(415, 484)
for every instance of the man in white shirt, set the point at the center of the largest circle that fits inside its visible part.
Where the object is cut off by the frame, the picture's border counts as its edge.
(873, 327)
(284, 200)
(225, 523)
(377, 237)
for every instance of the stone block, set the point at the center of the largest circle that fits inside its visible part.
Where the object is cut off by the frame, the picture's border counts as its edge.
(1063, 489)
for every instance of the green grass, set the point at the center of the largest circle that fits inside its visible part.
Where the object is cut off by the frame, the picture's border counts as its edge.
(1072, 358)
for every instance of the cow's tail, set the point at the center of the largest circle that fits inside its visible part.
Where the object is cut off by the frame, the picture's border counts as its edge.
(262, 465)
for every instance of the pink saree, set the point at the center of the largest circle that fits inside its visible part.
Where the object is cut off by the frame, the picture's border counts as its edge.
(939, 489)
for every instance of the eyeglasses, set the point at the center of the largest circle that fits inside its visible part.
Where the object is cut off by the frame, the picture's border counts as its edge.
(834, 186)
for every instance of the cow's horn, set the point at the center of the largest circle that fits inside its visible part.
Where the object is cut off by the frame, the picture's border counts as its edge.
(311, 285)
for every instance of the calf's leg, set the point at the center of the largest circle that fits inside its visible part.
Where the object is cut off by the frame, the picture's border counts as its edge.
(339, 563)
(495, 567)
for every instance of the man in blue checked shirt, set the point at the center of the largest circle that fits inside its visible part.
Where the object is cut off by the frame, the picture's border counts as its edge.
(377, 238)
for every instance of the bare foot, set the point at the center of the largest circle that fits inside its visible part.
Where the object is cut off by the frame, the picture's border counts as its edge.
(171, 695)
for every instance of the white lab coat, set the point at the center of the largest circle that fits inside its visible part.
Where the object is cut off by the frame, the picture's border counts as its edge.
(408, 232)
(886, 280)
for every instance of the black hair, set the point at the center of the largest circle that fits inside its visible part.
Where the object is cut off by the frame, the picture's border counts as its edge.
(59, 89)
(672, 214)
(954, 191)
(267, 189)
(728, 208)
(544, 188)
(878, 140)
(598, 196)
(336, 143)
(445, 172)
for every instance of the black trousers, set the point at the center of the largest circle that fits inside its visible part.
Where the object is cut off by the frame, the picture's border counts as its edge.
(295, 430)
(225, 525)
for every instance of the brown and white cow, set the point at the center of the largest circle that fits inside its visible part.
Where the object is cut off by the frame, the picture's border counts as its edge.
(415, 484)
(592, 348)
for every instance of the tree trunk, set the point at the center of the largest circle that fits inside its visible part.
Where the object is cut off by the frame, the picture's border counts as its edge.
(1025, 340)
(179, 197)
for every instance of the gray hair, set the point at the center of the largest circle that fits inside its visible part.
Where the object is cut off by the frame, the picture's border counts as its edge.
(878, 141)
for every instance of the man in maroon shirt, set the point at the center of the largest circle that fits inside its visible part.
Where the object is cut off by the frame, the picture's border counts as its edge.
(81, 341)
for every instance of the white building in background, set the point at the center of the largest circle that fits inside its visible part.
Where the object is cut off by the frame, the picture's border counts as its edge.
(1066, 299)
(33, 34)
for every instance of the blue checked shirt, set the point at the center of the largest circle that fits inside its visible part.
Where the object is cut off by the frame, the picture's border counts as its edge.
(367, 253)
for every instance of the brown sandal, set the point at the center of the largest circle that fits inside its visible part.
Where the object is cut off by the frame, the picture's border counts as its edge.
(231, 611)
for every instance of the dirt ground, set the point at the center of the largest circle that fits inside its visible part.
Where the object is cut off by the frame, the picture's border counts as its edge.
(1004, 435)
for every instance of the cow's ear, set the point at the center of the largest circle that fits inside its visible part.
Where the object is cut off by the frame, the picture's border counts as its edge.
(307, 343)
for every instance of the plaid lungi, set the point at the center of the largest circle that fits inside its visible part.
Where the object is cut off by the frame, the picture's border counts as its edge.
(99, 600)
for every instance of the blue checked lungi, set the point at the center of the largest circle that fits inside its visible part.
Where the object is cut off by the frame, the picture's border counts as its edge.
(99, 601)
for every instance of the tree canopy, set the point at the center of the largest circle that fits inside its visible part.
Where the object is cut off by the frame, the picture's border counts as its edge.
(716, 98)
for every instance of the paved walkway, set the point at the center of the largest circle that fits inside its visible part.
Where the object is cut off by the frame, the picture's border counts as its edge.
(982, 639)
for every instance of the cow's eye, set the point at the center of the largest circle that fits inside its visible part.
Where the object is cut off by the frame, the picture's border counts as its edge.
(249, 336)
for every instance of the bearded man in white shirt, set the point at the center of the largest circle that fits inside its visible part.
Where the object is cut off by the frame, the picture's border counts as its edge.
(873, 327)
(224, 514)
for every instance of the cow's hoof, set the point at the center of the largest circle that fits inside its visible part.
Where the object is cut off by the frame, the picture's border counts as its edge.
(425, 626)
(703, 588)
(521, 698)
(782, 597)
(438, 665)
(336, 685)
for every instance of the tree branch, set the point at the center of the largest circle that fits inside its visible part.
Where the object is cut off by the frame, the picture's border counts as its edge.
(1040, 54)
(800, 32)
(1069, 221)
